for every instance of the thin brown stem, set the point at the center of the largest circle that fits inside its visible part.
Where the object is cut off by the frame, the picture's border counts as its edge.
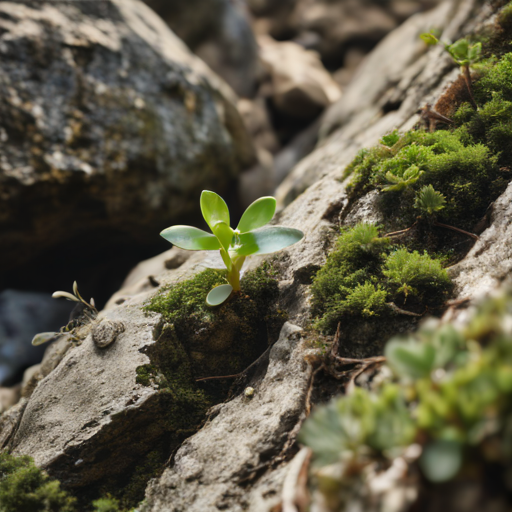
(467, 77)
(458, 230)
(401, 232)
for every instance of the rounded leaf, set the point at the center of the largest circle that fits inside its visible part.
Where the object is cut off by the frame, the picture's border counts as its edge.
(441, 460)
(44, 337)
(190, 238)
(214, 208)
(257, 214)
(266, 240)
(219, 294)
(410, 359)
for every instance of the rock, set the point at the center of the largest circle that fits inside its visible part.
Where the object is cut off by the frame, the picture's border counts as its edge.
(489, 262)
(208, 474)
(106, 332)
(300, 86)
(22, 315)
(139, 391)
(219, 32)
(9, 397)
(81, 417)
(111, 129)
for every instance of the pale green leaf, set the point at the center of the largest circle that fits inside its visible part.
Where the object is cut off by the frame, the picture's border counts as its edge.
(44, 337)
(257, 214)
(429, 39)
(224, 233)
(219, 294)
(213, 208)
(65, 295)
(266, 240)
(410, 359)
(190, 238)
(441, 460)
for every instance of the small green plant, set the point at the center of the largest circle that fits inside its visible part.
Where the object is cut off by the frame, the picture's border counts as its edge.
(250, 237)
(411, 271)
(397, 183)
(429, 200)
(464, 54)
(83, 313)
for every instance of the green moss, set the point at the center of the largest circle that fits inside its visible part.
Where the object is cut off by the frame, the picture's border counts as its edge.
(186, 300)
(361, 275)
(416, 274)
(108, 504)
(469, 164)
(25, 487)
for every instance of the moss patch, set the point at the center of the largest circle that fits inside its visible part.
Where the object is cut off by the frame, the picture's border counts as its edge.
(361, 277)
(25, 487)
(470, 163)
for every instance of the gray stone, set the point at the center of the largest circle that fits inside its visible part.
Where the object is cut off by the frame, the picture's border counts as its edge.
(211, 468)
(111, 129)
(106, 332)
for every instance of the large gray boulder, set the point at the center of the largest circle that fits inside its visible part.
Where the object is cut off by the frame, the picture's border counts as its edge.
(110, 129)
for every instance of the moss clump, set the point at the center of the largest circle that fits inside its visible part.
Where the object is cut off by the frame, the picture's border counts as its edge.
(416, 274)
(25, 487)
(186, 300)
(108, 504)
(362, 274)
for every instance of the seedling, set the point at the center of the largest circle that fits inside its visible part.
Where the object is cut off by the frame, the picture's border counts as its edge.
(398, 183)
(82, 314)
(430, 201)
(464, 54)
(234, 245)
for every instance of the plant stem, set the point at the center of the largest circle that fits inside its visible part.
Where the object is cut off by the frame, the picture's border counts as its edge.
(441, 225)
(401, 232)
(467, 77)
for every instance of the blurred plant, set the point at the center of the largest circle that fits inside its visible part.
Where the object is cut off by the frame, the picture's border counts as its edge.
(447, 388)
(83, 314)
(464, 54)
(249, 237)
(26, 488)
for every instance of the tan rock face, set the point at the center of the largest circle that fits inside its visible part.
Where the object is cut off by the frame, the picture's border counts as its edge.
(300, 85)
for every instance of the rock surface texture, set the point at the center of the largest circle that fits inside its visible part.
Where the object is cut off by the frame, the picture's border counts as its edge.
(83, 414)
(104, 114)
(219, 32)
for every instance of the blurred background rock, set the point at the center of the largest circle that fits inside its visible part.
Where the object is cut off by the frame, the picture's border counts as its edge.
(110, 127)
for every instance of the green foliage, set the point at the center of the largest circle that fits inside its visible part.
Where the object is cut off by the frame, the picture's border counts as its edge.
(429, 200)
(390, 139)
(464, 53)
(450, 390)
(250, 237)
(399, 183)
(186, 299)
(24, 487)
(106, 505)
(418, 274)
(359, 277)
